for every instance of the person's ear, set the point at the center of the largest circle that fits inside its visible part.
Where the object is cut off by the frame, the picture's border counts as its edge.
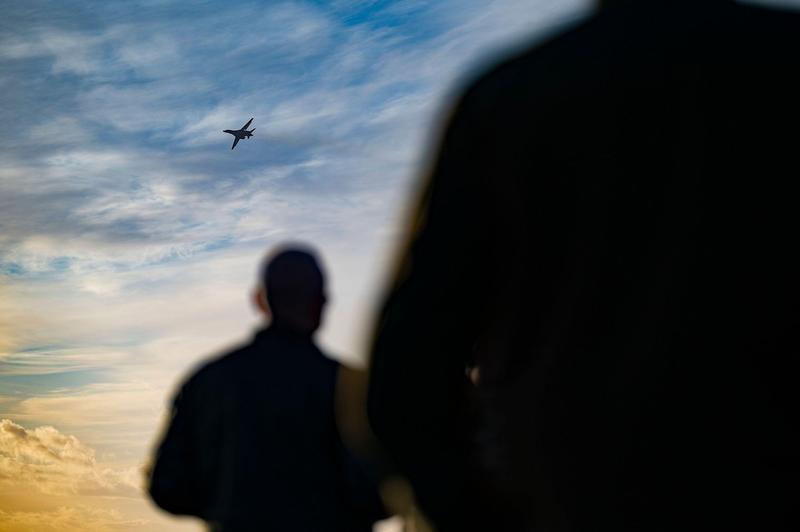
(260, 300)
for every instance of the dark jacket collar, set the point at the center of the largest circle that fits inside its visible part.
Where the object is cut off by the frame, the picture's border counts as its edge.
(277, 330)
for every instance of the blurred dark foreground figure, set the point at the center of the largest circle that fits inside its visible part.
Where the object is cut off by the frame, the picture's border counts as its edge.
(608, 235)
(253, 443)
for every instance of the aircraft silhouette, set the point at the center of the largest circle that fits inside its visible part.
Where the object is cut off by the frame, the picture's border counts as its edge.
(240, 133)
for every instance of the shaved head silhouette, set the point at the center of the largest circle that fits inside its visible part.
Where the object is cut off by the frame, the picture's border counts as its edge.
(294, 288)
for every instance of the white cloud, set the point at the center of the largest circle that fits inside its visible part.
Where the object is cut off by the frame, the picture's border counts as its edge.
(63, 130)
(51, 462)
(289, 30)
(133, 233)
(142, 54)
(46, 361)
(71, 52)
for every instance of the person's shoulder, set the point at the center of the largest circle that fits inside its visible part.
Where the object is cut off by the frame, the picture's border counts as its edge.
(756, 13)
(534, 66)
(635, 33)
(577, 47)
(219, 367)
(326, 358)
(763, 27)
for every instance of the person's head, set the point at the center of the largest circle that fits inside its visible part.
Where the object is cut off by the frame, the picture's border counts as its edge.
(292, 290)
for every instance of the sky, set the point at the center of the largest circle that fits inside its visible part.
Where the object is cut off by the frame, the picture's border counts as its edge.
(131, 234)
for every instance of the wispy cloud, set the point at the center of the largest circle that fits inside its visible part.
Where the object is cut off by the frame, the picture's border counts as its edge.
(70, 52)
(130, 233)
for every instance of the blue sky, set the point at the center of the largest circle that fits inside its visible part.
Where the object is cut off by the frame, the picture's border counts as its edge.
(118, 183)
(130, 233)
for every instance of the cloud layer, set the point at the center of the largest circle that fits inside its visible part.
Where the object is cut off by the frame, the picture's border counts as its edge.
(130, 233)
(53, 463)
(69, 519)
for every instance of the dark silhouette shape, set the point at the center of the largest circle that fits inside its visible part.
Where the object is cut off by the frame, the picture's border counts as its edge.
(608, 234)
(253, 444)
(240, 133)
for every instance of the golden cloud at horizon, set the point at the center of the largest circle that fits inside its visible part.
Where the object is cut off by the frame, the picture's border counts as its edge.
(67, 519)
(51, 481)
(45, 460)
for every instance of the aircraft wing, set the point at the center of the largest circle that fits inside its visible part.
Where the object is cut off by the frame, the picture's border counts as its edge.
(247, 124)
(235, 142)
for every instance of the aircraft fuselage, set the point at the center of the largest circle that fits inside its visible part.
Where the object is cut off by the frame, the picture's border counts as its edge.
(239, 133)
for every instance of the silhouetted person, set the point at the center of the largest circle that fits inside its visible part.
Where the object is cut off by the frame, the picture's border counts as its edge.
(608, 234)
(253, 444)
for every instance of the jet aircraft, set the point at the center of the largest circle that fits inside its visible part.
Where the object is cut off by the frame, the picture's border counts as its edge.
(240, 133)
